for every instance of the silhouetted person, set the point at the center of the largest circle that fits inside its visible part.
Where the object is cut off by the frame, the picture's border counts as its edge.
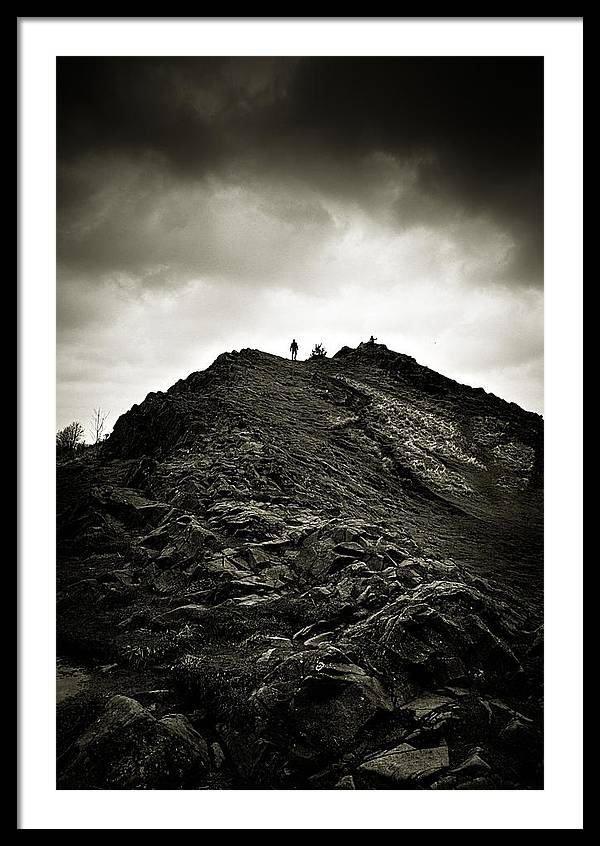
(294, 349)
(372, 340)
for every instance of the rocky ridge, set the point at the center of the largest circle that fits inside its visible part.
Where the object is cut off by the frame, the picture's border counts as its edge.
(321, 574)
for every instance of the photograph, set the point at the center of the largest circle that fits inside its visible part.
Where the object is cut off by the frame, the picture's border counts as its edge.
(300, 442)
(299, 423)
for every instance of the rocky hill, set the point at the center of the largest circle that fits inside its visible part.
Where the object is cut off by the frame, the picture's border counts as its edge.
(321, 574)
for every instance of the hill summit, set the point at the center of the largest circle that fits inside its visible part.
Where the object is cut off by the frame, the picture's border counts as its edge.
(305, 574)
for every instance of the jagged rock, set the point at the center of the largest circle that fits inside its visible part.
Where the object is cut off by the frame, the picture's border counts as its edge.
(403, 688)
(481, 783)
(141, 474)
(339, 562)
(321, 561)
(462, 720)
(449, 669)
(345, 783)
(396, 556)
(250, 600)
(225, 565)
(319, 640)
(254, 758)
(503, 713)
(129, 506)
(180, 541)
(423, 706)
(192, 613)
(440, 624)
(312, 630)
(168, 581)
(263, 555)
(279, 575)
(272, 656)
(323, 698)
(251, 521)
(349, 549)
(537, 646)
(315, 555)
(217, 755)
(519, 733)
(124, 577)
(473, 765)
(128, 748)
(459, 782)
(404, 763)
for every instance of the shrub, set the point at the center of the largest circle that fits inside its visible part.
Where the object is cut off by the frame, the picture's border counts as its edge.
(69, 439)
(318, 351)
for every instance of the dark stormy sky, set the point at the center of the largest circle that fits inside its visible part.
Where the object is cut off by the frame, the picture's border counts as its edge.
(209, 204)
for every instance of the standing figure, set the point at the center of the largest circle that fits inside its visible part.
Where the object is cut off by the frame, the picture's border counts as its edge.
(294, 349)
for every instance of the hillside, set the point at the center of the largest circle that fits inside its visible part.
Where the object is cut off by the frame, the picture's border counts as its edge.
(304, 575)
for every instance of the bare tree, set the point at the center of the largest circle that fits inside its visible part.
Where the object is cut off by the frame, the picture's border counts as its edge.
(98, 422)
(69, 438)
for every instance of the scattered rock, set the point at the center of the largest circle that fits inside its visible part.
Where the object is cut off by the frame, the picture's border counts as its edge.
(336, 567)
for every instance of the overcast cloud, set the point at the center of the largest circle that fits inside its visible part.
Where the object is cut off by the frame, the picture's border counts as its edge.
(206, 205)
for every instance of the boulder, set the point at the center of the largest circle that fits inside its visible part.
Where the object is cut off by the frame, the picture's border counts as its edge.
(339, 562)
(519, 733)
(279, 574)
(128, 748)
(129, 506)
(345, 783)
(323, 699)
(320, 639)
(423, 706)
(180, 541)
(168, 581)
(445, 630)
(474, 764)
(404, 764)
(349, 549)
(248, 521)
(141, 474)
(312, 630)
(315, 556)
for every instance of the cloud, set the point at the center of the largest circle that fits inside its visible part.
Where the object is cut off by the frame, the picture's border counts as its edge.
(209, 204)
(154, 341)
(470, 128)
